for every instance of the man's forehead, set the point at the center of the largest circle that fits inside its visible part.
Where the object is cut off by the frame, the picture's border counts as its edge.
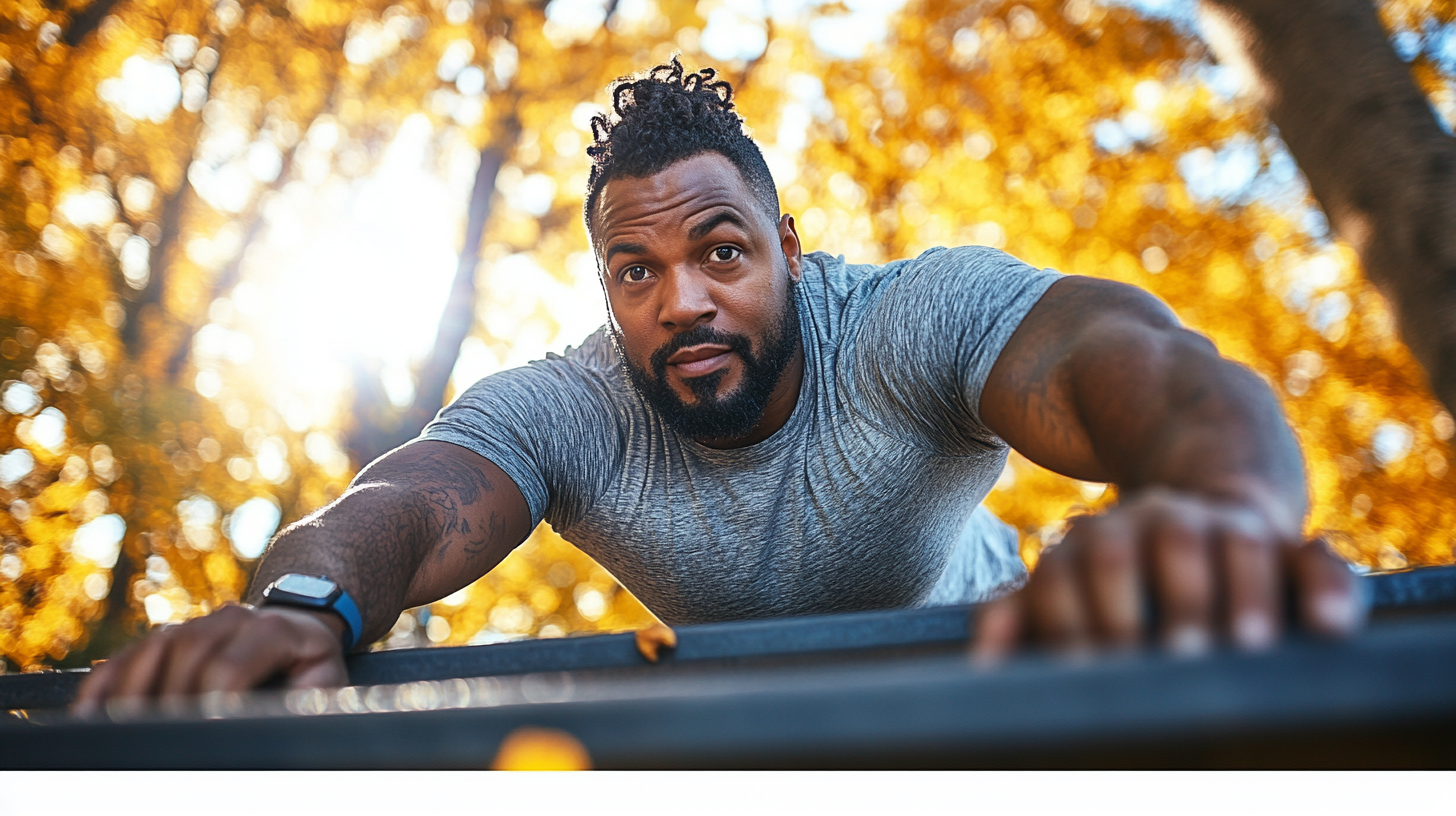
(680, 191)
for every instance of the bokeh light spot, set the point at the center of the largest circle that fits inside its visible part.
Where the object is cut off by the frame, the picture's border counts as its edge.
(251, 525)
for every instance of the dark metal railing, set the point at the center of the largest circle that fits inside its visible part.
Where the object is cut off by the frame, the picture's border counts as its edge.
(873, 689)
(1411, 591)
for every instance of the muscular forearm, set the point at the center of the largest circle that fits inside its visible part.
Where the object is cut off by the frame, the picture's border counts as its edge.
(1168, 410)
(416, 525)
(371, 541)
(1100, 382)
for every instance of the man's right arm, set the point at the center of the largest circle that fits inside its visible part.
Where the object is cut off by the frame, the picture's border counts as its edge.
(416, 525)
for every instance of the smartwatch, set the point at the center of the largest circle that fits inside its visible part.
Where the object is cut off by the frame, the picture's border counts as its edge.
(317, 592)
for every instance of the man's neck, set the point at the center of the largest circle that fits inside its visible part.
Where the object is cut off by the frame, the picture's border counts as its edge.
(778, 410)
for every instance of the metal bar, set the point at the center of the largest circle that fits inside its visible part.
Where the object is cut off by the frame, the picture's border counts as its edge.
(712, 641)
(40, 690)
(1382, 699)
(1413, 591)
(1420, 589)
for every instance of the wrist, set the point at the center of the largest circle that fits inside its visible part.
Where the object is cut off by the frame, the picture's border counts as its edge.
(318, 593)
(330, 620)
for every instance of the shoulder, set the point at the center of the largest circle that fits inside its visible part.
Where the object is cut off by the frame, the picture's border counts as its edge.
(832, 279)
(579, 382)
(838, 295)
(927, 345)
(981, 266)
(596, 353)
(556, 426)
(975, 283)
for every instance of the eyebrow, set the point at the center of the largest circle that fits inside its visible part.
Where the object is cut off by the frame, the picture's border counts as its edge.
(721, 217)
(635, 249)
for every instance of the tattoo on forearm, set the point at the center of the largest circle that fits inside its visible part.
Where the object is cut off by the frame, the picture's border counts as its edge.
(375, 542)
(476, 541)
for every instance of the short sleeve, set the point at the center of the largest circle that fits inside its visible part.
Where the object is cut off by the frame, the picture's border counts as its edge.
(923, 353)
(550, 425)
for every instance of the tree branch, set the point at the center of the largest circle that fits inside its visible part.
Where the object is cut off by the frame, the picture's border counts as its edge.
(86, 22)
(1377, 160)
(230, 274)
(372, 438)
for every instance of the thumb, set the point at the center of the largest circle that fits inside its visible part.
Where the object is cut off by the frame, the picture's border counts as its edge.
(1328, 594)
(328, 672)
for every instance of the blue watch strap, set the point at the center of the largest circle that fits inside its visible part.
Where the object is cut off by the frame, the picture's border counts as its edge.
(353, 621)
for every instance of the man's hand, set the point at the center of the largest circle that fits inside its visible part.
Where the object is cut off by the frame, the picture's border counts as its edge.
(417, 524)
(1181, 568)
(233, 649)
(1099, 382)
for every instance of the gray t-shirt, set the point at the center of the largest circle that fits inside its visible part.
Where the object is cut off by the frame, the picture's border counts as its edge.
(867, 498)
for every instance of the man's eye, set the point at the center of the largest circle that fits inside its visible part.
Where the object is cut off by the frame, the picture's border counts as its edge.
(724, 254)
(635, 274)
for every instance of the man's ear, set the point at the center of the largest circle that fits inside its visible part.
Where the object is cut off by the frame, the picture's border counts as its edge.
(789, 241)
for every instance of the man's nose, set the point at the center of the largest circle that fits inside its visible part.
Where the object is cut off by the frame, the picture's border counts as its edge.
(686, 300)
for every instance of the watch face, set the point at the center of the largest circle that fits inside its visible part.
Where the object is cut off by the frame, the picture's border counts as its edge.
(306, 585)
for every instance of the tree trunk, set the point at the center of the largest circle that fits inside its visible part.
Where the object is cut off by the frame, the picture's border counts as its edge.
(377, 430)
(1377, 160)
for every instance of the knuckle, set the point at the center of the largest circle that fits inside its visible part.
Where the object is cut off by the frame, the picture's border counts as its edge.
(188, 634)
(1110, 554)
(228, 663)
(233, 613)
(1154, 498)
(1247, 521)
(1240, 544)
(1177, 530)
(273, 626)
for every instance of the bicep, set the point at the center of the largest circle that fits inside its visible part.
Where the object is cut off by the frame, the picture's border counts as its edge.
(1089, 354)
(475, 513)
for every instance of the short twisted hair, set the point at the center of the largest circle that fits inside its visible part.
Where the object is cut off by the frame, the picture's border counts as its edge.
(663, 116)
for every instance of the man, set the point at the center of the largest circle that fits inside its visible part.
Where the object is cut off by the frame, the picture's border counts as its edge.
(761, 432)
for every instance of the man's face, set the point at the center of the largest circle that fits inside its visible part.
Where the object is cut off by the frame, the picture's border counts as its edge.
(698, 279)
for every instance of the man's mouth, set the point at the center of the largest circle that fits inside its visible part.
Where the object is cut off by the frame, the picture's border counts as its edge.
(695, 361)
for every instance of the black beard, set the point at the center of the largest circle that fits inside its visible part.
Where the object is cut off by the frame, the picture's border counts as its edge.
(735, 415)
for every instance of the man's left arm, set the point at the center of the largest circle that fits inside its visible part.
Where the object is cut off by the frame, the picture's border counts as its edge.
(1099, 382)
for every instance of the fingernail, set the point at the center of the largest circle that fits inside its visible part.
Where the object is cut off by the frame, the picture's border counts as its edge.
(1337, 610)
(1188, 641)
(1254, 631)
(125, 708)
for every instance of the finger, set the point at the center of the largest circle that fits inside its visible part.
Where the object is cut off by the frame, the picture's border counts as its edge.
(1183, 578)
(1251, 573)
(1328, 598)
(1111, 577)
(192, 645)
(98, 683)
(139, 676)
(320, 656)
(327, 672)
(1055, 602)
(268, 645)
(998, 628)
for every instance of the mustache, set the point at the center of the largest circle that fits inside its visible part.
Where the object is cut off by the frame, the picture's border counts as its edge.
(696, 336)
